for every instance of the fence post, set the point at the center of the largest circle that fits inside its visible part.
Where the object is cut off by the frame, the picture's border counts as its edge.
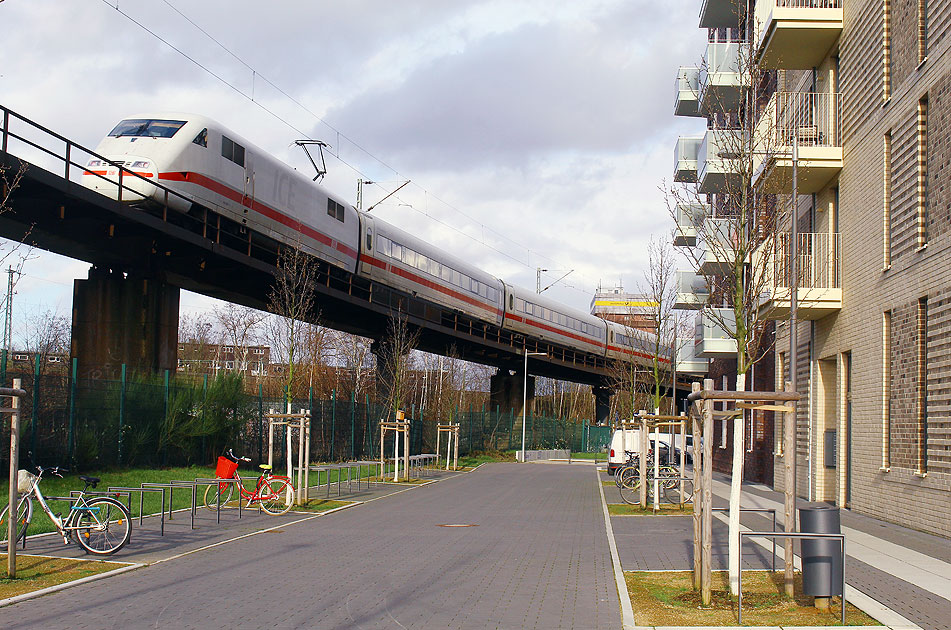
(333, 421)
(260, 421)
(71, 435)
(353, 452)
(366, 413)
(204, 398)
(3, 366)
(121, 412)
(34, 412)
(165, 416)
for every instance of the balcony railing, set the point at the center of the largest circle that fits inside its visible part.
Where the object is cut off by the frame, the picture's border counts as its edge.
(819, 290)
(813, 120)
(687, 360)
(687, 92)
(685, 159)
(796, 34)
(718, 160)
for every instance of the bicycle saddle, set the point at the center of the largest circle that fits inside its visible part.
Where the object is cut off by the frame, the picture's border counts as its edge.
(265, 466)
(92, 481)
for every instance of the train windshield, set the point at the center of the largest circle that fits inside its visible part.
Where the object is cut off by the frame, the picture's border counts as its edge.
(149, 128)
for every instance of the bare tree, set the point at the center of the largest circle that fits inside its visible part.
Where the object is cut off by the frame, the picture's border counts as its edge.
(352, 354)
(736, 225)
(660, 293)
(46, 334)
(395, 361)
(198, 335)
(239, 326)
(292, 300)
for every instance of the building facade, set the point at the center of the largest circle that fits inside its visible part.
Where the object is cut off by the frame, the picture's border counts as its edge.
(856, 94)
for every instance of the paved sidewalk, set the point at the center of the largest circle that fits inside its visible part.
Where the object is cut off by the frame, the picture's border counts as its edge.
(524, 548)
(907, 571)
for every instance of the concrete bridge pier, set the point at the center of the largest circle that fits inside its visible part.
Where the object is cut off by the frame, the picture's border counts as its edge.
(602, 404)
(124, 319)
(505, 393)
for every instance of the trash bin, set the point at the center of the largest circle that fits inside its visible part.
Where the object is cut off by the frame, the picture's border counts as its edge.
(821, 558)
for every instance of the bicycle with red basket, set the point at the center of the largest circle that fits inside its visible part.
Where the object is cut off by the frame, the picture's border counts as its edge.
(274, 493)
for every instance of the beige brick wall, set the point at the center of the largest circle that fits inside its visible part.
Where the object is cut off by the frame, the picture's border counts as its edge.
(897, 494)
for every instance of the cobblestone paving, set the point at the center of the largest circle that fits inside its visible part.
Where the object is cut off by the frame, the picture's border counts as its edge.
(535, 556)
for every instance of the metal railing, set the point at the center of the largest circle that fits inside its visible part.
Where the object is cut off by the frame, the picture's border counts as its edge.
(688, 81)
(818, 260)
(810, 116)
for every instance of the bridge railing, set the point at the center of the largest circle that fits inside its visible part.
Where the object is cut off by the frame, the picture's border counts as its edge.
(65, 155)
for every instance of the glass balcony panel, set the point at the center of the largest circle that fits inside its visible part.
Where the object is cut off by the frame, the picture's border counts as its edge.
(796, 34)
(722, 81)
(691, 290)
(713, 333)
(687, 360)
(685, 159)
(720, 13)
(717, 156)
(687, 92)
(688, 217)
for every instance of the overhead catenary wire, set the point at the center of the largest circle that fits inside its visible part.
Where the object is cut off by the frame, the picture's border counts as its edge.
(114, 4)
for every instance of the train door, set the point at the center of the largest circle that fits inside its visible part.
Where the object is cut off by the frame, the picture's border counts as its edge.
(368, 244)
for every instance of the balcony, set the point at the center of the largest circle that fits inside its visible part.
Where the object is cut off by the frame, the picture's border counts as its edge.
(718, 254)
(720, 13)
(717, 165)
(692, 292)
(796, 34)
(687, 360)
(685, 159)
(688, 217)
(687, 92)
(819, 292)
(813, 119)
(722, 82)
(711, 340)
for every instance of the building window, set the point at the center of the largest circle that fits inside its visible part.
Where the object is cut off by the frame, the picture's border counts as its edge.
(923, 171)
(886, 50)
(887, 200)
(886, 389)
(922, 387)
(922, 30)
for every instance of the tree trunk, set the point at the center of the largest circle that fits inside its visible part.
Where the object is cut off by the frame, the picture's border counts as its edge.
(707, 502)
(736, 482)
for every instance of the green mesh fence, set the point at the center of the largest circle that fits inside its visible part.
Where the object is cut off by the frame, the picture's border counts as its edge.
(87, 423)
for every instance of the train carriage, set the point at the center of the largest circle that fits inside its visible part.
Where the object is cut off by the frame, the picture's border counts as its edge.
(532, 314)
(215, 168)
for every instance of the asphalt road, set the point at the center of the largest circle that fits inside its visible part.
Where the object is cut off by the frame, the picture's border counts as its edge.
(525, 548)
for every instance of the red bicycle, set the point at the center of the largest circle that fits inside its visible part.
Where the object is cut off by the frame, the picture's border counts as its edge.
(275, 493)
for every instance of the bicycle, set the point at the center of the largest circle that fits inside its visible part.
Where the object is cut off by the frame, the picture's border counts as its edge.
(629, 480)
(101, 525)
(274, 493)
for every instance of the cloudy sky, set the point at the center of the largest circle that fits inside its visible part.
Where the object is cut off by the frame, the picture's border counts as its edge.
(535, 133)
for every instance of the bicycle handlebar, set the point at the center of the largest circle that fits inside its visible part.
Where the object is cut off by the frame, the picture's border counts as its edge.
(230, 455)
(55, 470)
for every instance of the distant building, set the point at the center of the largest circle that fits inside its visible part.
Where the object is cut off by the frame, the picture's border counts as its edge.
(211, 358)
(628, 309)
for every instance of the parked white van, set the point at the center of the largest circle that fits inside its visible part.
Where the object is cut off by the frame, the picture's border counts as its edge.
(630, 440)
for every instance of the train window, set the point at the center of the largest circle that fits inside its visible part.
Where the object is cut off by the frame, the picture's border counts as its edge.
(397, 251)
(148, 128)
(422, 263)
(335, 209)
(409, 257)
(202, 138)
(445, 273)
(231, 150)
(369, 239)
(511, 302)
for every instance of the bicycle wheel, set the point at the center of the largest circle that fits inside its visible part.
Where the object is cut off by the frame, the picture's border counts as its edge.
(277, 495)
(218, 494)
(24, 516)
(631, 494)
(668, 476)
(102, 525)
(628, 476)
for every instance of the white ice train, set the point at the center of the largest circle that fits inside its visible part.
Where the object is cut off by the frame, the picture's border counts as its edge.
(215, 168)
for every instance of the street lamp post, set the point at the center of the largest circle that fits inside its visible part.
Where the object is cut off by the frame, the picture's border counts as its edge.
(525, 392)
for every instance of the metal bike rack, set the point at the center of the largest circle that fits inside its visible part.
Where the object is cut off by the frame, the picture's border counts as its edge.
(109, 493)
(774, 535)
(171, 486)
(209, 481)
(762, 511)
(142, 491)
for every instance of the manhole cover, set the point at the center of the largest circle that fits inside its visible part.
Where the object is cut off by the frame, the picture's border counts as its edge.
(457, 525)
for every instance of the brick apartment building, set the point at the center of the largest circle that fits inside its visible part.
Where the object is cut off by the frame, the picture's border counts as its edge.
(865, 88)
